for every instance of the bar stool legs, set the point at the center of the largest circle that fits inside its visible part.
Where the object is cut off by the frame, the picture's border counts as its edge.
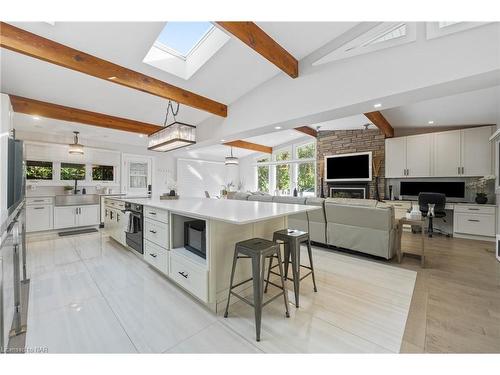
(309, 252)
(257, 250)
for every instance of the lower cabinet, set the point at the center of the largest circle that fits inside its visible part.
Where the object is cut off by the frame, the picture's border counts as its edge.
(39, 217)
(156, 256)
(190, 276)
(474, 220)
(76, 216)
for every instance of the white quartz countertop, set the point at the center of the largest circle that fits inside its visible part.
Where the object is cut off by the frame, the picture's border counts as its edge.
(227, 210)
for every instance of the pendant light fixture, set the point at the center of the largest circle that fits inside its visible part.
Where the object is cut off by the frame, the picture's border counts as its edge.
(173, 136)
(76, 148)
(231, 160)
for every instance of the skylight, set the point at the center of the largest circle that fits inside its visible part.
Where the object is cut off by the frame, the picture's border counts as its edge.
(181, 38)
(393, 33)
(446, 23)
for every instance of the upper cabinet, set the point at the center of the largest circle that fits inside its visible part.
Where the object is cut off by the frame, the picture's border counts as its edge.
(408, 156)
(456, 153)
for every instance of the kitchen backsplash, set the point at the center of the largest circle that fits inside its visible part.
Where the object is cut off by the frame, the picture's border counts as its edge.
(34, 190)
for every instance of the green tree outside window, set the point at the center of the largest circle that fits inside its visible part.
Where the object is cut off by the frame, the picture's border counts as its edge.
(71, 171)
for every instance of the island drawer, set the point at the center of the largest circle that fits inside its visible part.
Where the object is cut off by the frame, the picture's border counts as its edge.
(39, 200)
(475, 209)
(156, 214)
(190, 276)
(156, 232)
(156, 256)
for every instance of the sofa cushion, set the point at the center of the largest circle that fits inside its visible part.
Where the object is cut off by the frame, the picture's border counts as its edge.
(240, 196)
(261, 198)
(353, 202)
(289, 200)
(360, 216)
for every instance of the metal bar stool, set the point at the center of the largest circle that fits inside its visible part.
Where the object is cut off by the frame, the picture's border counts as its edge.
(292, 239)
(257, 249)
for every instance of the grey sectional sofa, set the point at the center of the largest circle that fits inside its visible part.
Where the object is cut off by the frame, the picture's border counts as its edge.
(362, 225)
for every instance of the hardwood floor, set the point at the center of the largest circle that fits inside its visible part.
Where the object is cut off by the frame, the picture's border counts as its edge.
(456, 302)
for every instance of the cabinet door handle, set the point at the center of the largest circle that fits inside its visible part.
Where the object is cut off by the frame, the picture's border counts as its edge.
(39, 208)
(473, 209)
(474, 220)
(152, 231)
(152, 213)
(185, 275)
(153, 255)
(458, 170)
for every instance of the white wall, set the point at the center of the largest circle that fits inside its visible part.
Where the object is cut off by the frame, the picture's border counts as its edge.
(194, 177)
(5, 127)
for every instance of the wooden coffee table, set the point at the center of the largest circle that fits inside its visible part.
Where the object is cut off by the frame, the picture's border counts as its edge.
(400, 251)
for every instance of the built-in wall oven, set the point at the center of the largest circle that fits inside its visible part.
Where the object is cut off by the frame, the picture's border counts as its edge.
(135, 227)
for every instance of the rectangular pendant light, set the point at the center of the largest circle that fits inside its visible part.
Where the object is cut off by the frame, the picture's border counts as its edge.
(172, 137)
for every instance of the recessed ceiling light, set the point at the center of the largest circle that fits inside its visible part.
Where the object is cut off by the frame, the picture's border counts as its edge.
(431, 122)
(141, 135)
(223, 140)
(277, 127)
(36, 117)
(377, 105)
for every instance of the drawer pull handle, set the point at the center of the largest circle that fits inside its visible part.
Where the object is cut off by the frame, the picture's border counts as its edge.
(39, 208)
(152, 231)
(153, 255)
(38, 200)
(475, 220)
(152, 213)
(473, 209)
(185, 275)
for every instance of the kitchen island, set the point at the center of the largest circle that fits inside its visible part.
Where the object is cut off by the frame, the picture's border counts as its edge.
(225, 221)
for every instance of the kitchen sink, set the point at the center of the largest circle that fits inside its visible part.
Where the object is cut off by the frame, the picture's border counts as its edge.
(77, 199)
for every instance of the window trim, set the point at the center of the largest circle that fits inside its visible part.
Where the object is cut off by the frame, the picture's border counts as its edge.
(31, 180)
(102, 181)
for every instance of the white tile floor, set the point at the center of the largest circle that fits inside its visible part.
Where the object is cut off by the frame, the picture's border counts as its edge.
(89, 294)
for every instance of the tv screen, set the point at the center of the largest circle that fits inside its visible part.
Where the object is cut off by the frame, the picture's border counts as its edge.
(450, 189)
(349, 167)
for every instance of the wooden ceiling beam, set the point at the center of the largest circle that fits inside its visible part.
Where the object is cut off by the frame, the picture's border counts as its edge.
(307, 130)
(254, 37)
(59, 112)
(378, 119)
(250, 146)
(32, 45)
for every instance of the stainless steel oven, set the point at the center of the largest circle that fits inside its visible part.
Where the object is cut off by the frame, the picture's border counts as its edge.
(135, 227)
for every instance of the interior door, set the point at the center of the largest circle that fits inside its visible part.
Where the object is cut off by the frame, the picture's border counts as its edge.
(395, 157)
(476, 151)
(137, 174)
(418, 155)
(447, 147)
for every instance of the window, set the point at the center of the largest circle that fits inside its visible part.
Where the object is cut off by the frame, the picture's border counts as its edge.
(181, 38)
(392, 33)
(103, 173)
(38, 170)
(263, 178)
(283, 183)
(138, 173)
(306, 178)
(307, 151)
(70, 171)
(283, 155)
(446, 23)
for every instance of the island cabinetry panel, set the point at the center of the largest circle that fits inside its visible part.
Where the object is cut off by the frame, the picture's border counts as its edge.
(190, 276)
(156, 232)
(156, 256)
(156, 214)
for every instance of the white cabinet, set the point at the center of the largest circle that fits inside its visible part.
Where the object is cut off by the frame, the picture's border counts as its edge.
(447, 151)
(395, 157)
(88, 215)
(76, 216)
(408, 156)
(418, 155)
(455, 153)
(476, 151)
(39, 217)
(474, 220)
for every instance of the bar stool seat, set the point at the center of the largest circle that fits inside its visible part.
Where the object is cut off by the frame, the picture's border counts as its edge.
(292, 239)
(257, 249)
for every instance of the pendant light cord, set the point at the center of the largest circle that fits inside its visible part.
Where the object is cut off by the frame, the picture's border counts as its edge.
(170, 109)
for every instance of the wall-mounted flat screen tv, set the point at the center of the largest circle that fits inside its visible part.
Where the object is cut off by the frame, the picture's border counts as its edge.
(349, 167)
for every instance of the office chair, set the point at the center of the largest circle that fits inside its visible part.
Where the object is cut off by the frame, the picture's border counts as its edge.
(432, 205)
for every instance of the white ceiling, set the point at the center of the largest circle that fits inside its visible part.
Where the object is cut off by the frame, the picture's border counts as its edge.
(233, 71)
(346, 123)
(470, 108)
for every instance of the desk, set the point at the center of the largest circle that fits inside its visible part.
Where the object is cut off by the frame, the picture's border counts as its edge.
(400, 251)
(468, 220)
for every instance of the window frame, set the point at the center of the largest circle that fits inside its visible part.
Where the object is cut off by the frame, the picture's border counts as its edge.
(85, 171)
(43, 179)
(91, 173)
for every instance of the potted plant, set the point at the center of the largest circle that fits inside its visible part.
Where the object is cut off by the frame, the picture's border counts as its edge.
(68, 189)
(480, 186)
